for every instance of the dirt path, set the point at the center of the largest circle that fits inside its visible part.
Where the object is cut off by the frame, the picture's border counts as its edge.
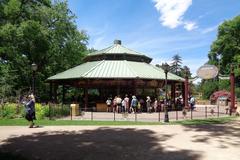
(205, 142)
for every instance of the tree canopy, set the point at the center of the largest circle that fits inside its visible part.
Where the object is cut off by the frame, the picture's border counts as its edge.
(225, 50)
(42, 32)
(176, 64)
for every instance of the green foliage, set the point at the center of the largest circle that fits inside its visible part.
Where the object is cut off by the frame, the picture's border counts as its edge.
(176, 64)
(12, 110)
(37, 31)
(8, 111)
(7, 81)
(42, 111)
(59, 110)
(226, 49)
(237, 92)
(224, 85)
(208, 87)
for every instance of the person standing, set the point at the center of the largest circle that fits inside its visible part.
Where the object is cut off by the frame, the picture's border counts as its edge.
(126, 100)
(119, 103)
(155, 104)
(148, 102)
(134, 104)
(192, 102)
(109, 103)
(30, 110)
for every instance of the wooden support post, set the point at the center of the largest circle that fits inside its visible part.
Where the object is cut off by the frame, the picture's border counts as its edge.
(85, 98)
(186, 92)
(55, 92)
(232, 90)
(63, 94)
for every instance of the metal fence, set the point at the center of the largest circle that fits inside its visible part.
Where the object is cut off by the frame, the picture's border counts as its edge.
(200, 112)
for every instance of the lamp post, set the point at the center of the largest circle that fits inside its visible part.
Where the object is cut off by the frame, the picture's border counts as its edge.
(34, 69)
(186, 70)
(166, 68)
(219, 58)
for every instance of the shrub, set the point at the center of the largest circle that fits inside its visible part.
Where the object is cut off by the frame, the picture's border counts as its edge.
(8, 110)
(58, 110)
(12, 110)
(41, 110)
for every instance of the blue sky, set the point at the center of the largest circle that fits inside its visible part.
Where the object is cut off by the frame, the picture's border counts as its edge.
(157, 28)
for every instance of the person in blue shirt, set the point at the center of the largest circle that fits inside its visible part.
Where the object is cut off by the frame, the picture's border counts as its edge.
(134, 104)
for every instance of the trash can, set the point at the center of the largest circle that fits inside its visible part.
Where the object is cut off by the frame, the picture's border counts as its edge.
(75, 109)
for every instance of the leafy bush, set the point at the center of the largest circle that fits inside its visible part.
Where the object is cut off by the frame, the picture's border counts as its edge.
(12, 110)
(8, 110)
(58, 110)
(42, 111)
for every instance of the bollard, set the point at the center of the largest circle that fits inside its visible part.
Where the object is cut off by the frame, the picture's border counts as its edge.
(114, 118)
(159, 116)
(49, 111)
(191, 113)
(205, 111)
(135, 116)
(71, 112)
(91, 115)
(176, 114)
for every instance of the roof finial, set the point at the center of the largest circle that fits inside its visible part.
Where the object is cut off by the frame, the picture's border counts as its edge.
(117, 42)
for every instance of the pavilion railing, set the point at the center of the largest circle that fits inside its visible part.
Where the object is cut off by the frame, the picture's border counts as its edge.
(200, 112)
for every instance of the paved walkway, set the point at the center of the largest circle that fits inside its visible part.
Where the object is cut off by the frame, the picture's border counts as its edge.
(202, 142)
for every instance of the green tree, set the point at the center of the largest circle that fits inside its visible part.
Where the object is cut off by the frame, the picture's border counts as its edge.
(176, 64)
(226, 48)
(42, 32)
(7, 81)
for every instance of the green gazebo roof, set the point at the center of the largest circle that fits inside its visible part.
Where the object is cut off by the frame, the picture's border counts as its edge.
(115, 62)
(108, 69)
(117, 52)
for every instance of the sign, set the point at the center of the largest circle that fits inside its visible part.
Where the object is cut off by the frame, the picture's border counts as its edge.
(207, 71)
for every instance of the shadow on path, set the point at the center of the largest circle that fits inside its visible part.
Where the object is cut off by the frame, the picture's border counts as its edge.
(102, 143)
(227, 133)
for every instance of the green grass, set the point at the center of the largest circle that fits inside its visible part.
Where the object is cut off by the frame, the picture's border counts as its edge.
(220, 120)
(23, 122)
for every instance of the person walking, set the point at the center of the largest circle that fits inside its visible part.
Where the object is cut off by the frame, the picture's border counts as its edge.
(30, 110)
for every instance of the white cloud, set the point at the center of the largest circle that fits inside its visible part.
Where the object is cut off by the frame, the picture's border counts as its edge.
(172, 12)
(210, 29)
(190, 26)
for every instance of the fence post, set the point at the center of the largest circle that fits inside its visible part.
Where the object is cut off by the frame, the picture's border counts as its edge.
(159, 116)
(49, 111)
(114, 118)
(191, 113)
(135, 117)
(205, 111)
(91, 114)
(71, 112)
(176, 114)
(218, 110)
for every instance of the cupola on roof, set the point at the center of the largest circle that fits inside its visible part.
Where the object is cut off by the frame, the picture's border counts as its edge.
(117, 52)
